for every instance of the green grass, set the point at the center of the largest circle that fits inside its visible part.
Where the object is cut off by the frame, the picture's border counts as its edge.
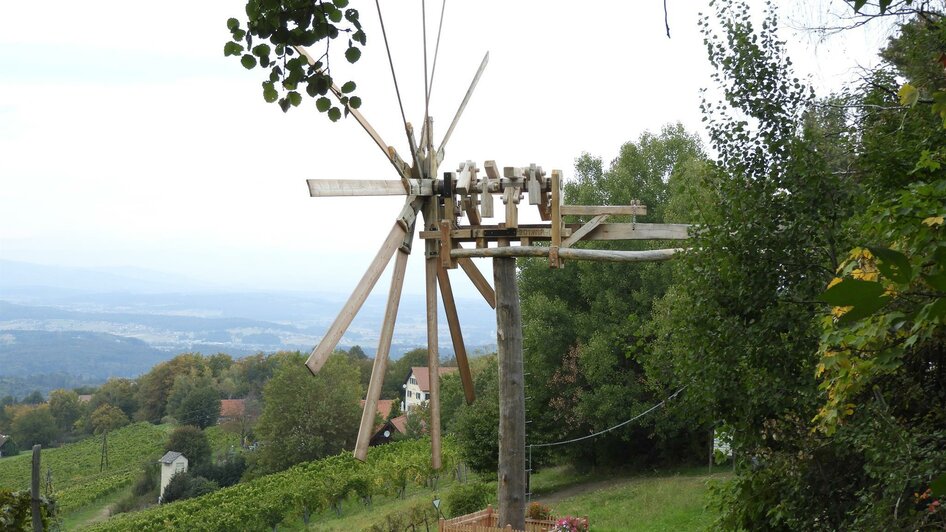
(90, 513)
(76, 478)
(652, 503)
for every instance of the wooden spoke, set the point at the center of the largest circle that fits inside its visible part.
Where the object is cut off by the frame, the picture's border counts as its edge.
(606, 255)
(366, 428)
(466, 98)
(358, 116)
(478, 281)
(334, 333)
(456, 335)
(319, 188)
(433, 362)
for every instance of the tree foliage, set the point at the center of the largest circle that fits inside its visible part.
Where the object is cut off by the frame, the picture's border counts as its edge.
(307, 417)
(192, 443)
(274, 28)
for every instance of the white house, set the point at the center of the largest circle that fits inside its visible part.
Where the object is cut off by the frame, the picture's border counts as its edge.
(171, 463)
(417, 386)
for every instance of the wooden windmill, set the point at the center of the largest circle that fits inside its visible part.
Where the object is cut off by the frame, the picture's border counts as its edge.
(469, 191)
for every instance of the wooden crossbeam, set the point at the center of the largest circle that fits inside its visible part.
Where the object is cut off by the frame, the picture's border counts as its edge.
(334, 333)
(320, 188)
(594, 210)
(628, 231)
(366, 428)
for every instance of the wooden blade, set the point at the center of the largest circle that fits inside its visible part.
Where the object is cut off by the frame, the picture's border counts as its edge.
(478, 281)
(456, 335)
(319, 188)
(466, 98)
(359, 117)
(580, 233)
(334, 333)
(380, 366)
(433, 361)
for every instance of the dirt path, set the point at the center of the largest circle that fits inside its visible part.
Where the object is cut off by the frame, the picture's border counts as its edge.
(580, 489)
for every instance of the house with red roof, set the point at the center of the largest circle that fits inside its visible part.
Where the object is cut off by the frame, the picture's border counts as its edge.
(417, 386)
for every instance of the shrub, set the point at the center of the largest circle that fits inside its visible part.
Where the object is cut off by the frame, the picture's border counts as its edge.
(537, 510)
(467, 498)
(184, 485)
(147, 481)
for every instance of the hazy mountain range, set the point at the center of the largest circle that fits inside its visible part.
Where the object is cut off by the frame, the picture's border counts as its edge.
(85, 325)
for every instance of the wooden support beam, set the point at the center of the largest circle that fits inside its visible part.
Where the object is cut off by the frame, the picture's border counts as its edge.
(433, 362)
(606, 255)
(512, 411)
(594, 210)
(492, 175)
(480, 282)
(320, 188)
(334, 333)
(366, 428)
(456, 335)
(556, 207)
(584, 230)
(511, 199)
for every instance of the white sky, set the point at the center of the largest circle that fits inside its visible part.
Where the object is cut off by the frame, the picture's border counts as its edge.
(127, 139)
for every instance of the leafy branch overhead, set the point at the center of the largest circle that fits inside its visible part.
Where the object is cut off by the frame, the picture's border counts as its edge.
(274, 28)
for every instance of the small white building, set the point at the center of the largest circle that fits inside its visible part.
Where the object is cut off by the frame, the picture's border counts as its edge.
(417, 386)
(171, 464)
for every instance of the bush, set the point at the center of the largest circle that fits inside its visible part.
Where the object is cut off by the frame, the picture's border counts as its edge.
(192, 443)
(416, 517)
(467, 498)
(184, 485)
(226, 473)
(147, 481)
(537, 510)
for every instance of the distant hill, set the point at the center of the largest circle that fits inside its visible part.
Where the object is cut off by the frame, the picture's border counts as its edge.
(78, 353)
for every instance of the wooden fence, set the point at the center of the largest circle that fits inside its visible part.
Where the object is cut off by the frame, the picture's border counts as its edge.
(488, 521)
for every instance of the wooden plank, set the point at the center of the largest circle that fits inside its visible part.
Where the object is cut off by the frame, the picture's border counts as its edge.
(433, 362)
(556, 203)
(358, 116)
(321, 188)
(446, 244)
(594, 210)
(512, 402)
(627, 231)
(606, 255)
(534, 186)
(480, 282)
(334, 333)
(511, 198)
(466, 99)
(456, 335)
(584, 230)
(366, 428)
(35, 496)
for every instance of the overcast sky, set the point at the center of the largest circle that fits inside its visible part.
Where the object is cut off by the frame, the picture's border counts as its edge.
(127, 139)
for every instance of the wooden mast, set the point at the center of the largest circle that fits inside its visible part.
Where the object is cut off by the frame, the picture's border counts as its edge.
(512, 414)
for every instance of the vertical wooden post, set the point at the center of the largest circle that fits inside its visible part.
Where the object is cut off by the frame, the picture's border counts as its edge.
(34, 491)
(512, 412)
(433, 361)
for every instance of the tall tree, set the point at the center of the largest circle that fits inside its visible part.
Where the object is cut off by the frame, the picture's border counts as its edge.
(32, 425)
(64, 405)
(307, 417)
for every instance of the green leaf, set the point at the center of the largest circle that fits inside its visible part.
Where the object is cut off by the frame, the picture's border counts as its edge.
(908, 95)
(937, 281)
(863, 310)
(938, 486)
(858, 4)
(334, 114)
(349, 86)
(340, 3)
(354, 102)
(323, 104)
(359, 36)
(294, 98)
(852, 292)
(248, 61)
(352, 54)
(284, 104)
(269, 92)
(232, 48)
(261, 50)
(893, 264)
(232, 24)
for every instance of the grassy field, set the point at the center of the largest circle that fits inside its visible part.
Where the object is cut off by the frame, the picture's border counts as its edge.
(646, 504)
(76, 477)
